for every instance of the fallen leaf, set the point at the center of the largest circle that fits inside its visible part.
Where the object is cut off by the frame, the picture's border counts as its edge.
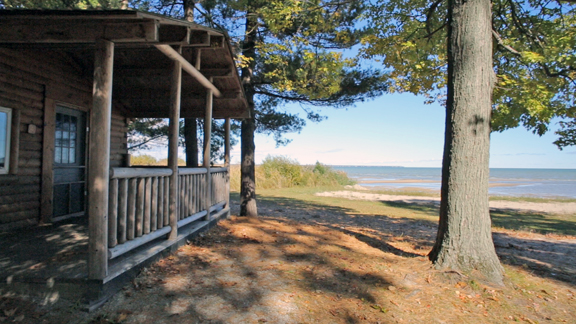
(460, 284)
(122, 317)
(380, 308)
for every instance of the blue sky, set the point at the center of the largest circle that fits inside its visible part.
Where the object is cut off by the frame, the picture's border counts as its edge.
(399, 130)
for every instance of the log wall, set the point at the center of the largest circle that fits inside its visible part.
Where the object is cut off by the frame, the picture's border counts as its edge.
(30, 82)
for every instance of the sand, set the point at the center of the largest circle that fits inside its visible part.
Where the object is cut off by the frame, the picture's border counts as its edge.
(550, 208)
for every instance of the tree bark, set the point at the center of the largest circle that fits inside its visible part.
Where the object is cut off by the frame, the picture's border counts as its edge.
(464, 240)
(189, 10)
(191, 141)
(248, 178)
(190, 125)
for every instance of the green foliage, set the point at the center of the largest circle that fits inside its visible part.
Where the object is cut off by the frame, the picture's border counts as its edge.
(60, 4)
(296, 56)
(143, 160)
(534, 58)
(148, 160)
(283, 172)
(144, 133)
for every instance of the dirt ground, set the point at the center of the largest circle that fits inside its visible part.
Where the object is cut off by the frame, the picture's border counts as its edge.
(320, 265)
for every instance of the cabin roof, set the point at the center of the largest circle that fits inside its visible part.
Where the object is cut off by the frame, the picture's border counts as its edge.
(142, 74)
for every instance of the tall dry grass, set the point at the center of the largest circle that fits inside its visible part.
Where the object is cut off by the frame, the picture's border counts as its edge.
(282, 172)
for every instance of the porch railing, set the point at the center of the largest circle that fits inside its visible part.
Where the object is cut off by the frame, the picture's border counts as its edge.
(220, 186)
(192, 199)
(139, 203)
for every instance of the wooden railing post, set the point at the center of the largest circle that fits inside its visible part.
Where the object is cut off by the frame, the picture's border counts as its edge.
(207, 152)
(173, 133)
(99, 165)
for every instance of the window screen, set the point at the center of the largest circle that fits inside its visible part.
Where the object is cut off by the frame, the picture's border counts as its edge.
(65, 141)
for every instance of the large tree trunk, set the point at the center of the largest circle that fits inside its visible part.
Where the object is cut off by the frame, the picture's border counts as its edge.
(464, 240)
(191, 141)
(190, 125)
(248, 181)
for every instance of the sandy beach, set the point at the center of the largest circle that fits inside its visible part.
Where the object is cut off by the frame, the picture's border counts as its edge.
(492, 183)
(551, 208)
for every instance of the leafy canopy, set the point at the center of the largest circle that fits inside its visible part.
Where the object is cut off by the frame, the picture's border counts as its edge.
(297, 54)
(534, 58)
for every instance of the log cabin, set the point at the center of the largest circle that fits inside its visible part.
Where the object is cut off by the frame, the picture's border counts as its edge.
(72, 209)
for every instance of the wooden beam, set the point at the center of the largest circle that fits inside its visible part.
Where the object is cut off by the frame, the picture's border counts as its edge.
(141, 98)
(173, 134)
(77, 31)
(217, 41)
(99, 164)
(199, 38)
(173, 34)
(219, 111)
(186, 66)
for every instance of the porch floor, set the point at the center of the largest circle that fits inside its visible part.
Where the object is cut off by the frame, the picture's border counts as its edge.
(52, 251)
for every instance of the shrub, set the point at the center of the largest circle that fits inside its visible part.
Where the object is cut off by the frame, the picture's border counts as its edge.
(284, 172)
(143, 160)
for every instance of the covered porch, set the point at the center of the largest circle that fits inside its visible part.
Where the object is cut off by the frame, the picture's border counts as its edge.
(139, 65)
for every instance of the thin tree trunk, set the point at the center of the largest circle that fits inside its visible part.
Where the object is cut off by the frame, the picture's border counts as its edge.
(464, 240)
(190, 125)
(248, 178)
(189, 10)
(191, 141)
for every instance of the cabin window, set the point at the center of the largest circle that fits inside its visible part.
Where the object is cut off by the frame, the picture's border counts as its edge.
(5, 123)
(66, 140)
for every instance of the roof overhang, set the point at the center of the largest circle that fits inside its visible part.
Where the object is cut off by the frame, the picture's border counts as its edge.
(141, 71)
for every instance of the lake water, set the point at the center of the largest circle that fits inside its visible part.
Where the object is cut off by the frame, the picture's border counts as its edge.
(504, 182)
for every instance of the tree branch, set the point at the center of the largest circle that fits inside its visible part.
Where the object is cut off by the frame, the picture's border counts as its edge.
(501, 43)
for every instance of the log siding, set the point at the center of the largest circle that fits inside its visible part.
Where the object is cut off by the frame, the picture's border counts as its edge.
(32, 83)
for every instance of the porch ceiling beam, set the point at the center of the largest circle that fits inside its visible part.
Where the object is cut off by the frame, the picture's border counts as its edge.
(138, 73)
(186, 66)
(218, 113)
(152, 98)
(77, 31)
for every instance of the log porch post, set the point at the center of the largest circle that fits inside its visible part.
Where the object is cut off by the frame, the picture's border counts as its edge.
(99, 165)
(207, 149)
(173, 132)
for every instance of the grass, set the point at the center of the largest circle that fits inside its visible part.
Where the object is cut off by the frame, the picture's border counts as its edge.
(533, 199)
(298, 197)
(284, 181)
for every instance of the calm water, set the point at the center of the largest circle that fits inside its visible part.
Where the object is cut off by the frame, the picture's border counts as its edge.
(515, 182)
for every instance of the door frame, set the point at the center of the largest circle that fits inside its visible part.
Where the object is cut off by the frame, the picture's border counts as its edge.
(49, 132)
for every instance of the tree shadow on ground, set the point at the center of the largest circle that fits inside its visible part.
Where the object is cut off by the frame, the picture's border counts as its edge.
(532, 222)
(374, 230)
(547, 258)
(242, 270)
